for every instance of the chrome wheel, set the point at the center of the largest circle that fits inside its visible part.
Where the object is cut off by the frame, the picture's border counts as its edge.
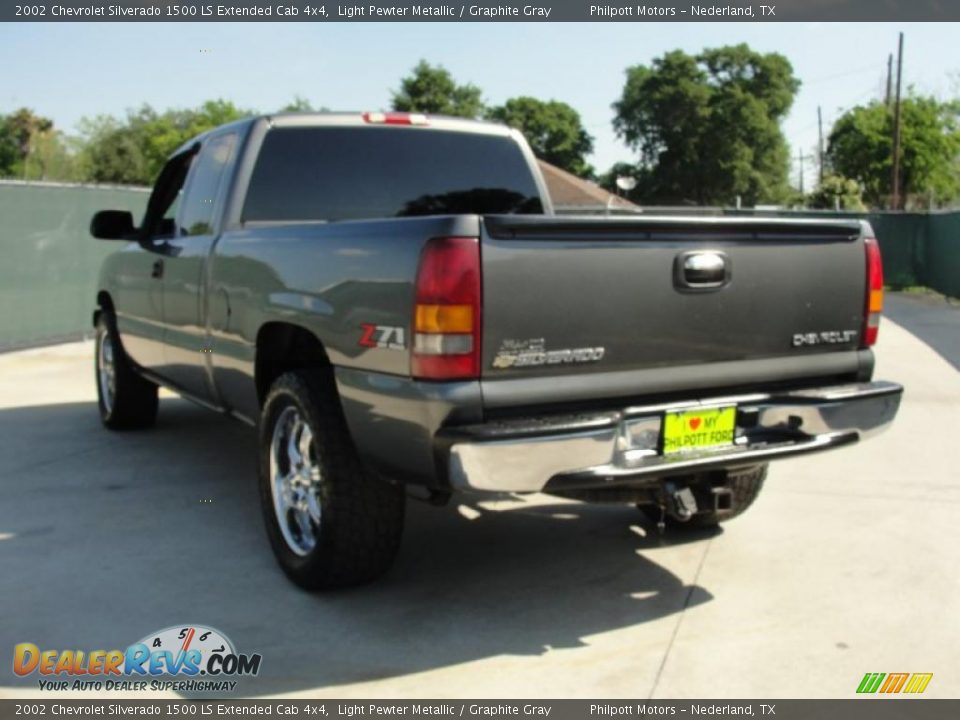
(295, 481)
(106, 372)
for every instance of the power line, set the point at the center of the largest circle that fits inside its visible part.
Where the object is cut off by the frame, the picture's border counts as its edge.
(849, 73)
(828, 119)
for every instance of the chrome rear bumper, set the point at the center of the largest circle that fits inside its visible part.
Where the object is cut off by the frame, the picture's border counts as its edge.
(591, 451)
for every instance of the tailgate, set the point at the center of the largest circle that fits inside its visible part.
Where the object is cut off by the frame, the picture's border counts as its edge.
(582, 296)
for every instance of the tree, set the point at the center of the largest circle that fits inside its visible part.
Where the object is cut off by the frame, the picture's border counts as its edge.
(431, 89)
(552, 128)
(165, 133)
(707, 127)
(860, 146)
(134, 150)
(837, 192)
(19, 131)
(51, 157)
(302, 104)
(299, 104)
(8, 149)
(113, 152)
(608, 180)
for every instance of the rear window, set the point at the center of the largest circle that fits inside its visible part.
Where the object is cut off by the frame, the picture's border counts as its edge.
(379, 172)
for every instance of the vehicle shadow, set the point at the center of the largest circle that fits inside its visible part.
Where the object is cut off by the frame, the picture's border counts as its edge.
(106, 537)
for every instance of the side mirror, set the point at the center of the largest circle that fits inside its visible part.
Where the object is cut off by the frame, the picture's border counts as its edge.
(113, 225)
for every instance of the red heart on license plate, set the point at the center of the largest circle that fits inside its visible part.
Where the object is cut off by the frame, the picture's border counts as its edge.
(694, 423)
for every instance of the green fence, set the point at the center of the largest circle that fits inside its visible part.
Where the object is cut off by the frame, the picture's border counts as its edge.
(49, 265)
(917, 248)
(920, 249)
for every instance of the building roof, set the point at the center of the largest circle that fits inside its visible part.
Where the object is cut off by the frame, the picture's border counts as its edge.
(567, 190)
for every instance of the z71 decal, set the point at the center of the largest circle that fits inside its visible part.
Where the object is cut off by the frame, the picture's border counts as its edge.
(389, 337)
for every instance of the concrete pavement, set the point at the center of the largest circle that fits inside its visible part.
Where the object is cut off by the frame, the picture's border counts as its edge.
(846, 564)
(932, 318)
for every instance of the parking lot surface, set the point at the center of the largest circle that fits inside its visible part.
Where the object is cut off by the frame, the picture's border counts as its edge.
(846, 564)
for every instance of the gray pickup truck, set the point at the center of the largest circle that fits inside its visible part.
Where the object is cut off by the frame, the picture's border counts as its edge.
(392, 302)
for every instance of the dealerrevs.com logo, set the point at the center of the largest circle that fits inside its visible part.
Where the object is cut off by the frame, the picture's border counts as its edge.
(202, 658)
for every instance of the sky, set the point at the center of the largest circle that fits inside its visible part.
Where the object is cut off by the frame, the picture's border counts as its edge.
(67, 71)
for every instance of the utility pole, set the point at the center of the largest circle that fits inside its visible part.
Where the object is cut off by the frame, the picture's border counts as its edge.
(800, 158)
(896, 131)
(820, 142)
(886, 100)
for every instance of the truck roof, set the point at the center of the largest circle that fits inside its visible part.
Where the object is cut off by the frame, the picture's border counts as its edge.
(380, 117)
(358, 119)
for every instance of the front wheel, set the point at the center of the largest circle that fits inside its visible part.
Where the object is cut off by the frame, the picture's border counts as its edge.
(126, 400)
(331, 523)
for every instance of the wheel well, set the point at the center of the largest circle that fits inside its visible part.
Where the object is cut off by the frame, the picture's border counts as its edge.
(104, 304)
(282, 347)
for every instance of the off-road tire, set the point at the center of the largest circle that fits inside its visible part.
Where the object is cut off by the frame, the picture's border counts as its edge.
(361, 514)
(131, 403)
(745, 485)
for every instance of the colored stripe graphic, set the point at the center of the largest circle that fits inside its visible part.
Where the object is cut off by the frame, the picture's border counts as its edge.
(918, 683)
(894, 682)
(870, 682)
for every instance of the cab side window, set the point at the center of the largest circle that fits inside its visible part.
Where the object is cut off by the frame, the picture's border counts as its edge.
(158, 222)
(198, 203)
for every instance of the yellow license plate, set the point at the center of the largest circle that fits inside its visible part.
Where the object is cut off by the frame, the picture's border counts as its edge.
(698, 429)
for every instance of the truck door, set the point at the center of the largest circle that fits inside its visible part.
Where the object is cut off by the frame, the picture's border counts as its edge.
(186, 345)
(138, 293)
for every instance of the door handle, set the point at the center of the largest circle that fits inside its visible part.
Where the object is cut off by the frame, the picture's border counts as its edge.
(701, 270)
(157, 271)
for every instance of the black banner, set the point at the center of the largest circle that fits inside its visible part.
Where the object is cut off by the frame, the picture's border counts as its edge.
(487, 11)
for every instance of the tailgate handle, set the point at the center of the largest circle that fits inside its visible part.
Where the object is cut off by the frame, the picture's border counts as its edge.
(702, 270)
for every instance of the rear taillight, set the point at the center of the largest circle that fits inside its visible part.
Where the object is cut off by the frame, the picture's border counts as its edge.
(874, 301)
(446, 318)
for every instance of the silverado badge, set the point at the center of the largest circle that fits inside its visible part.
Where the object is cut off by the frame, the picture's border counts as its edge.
(534, 353)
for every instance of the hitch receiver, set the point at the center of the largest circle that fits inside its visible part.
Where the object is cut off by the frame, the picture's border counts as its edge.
(722, 499)
(683, 501)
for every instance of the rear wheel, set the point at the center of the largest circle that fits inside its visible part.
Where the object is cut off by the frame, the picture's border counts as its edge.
(331, 522)
(126, 400)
